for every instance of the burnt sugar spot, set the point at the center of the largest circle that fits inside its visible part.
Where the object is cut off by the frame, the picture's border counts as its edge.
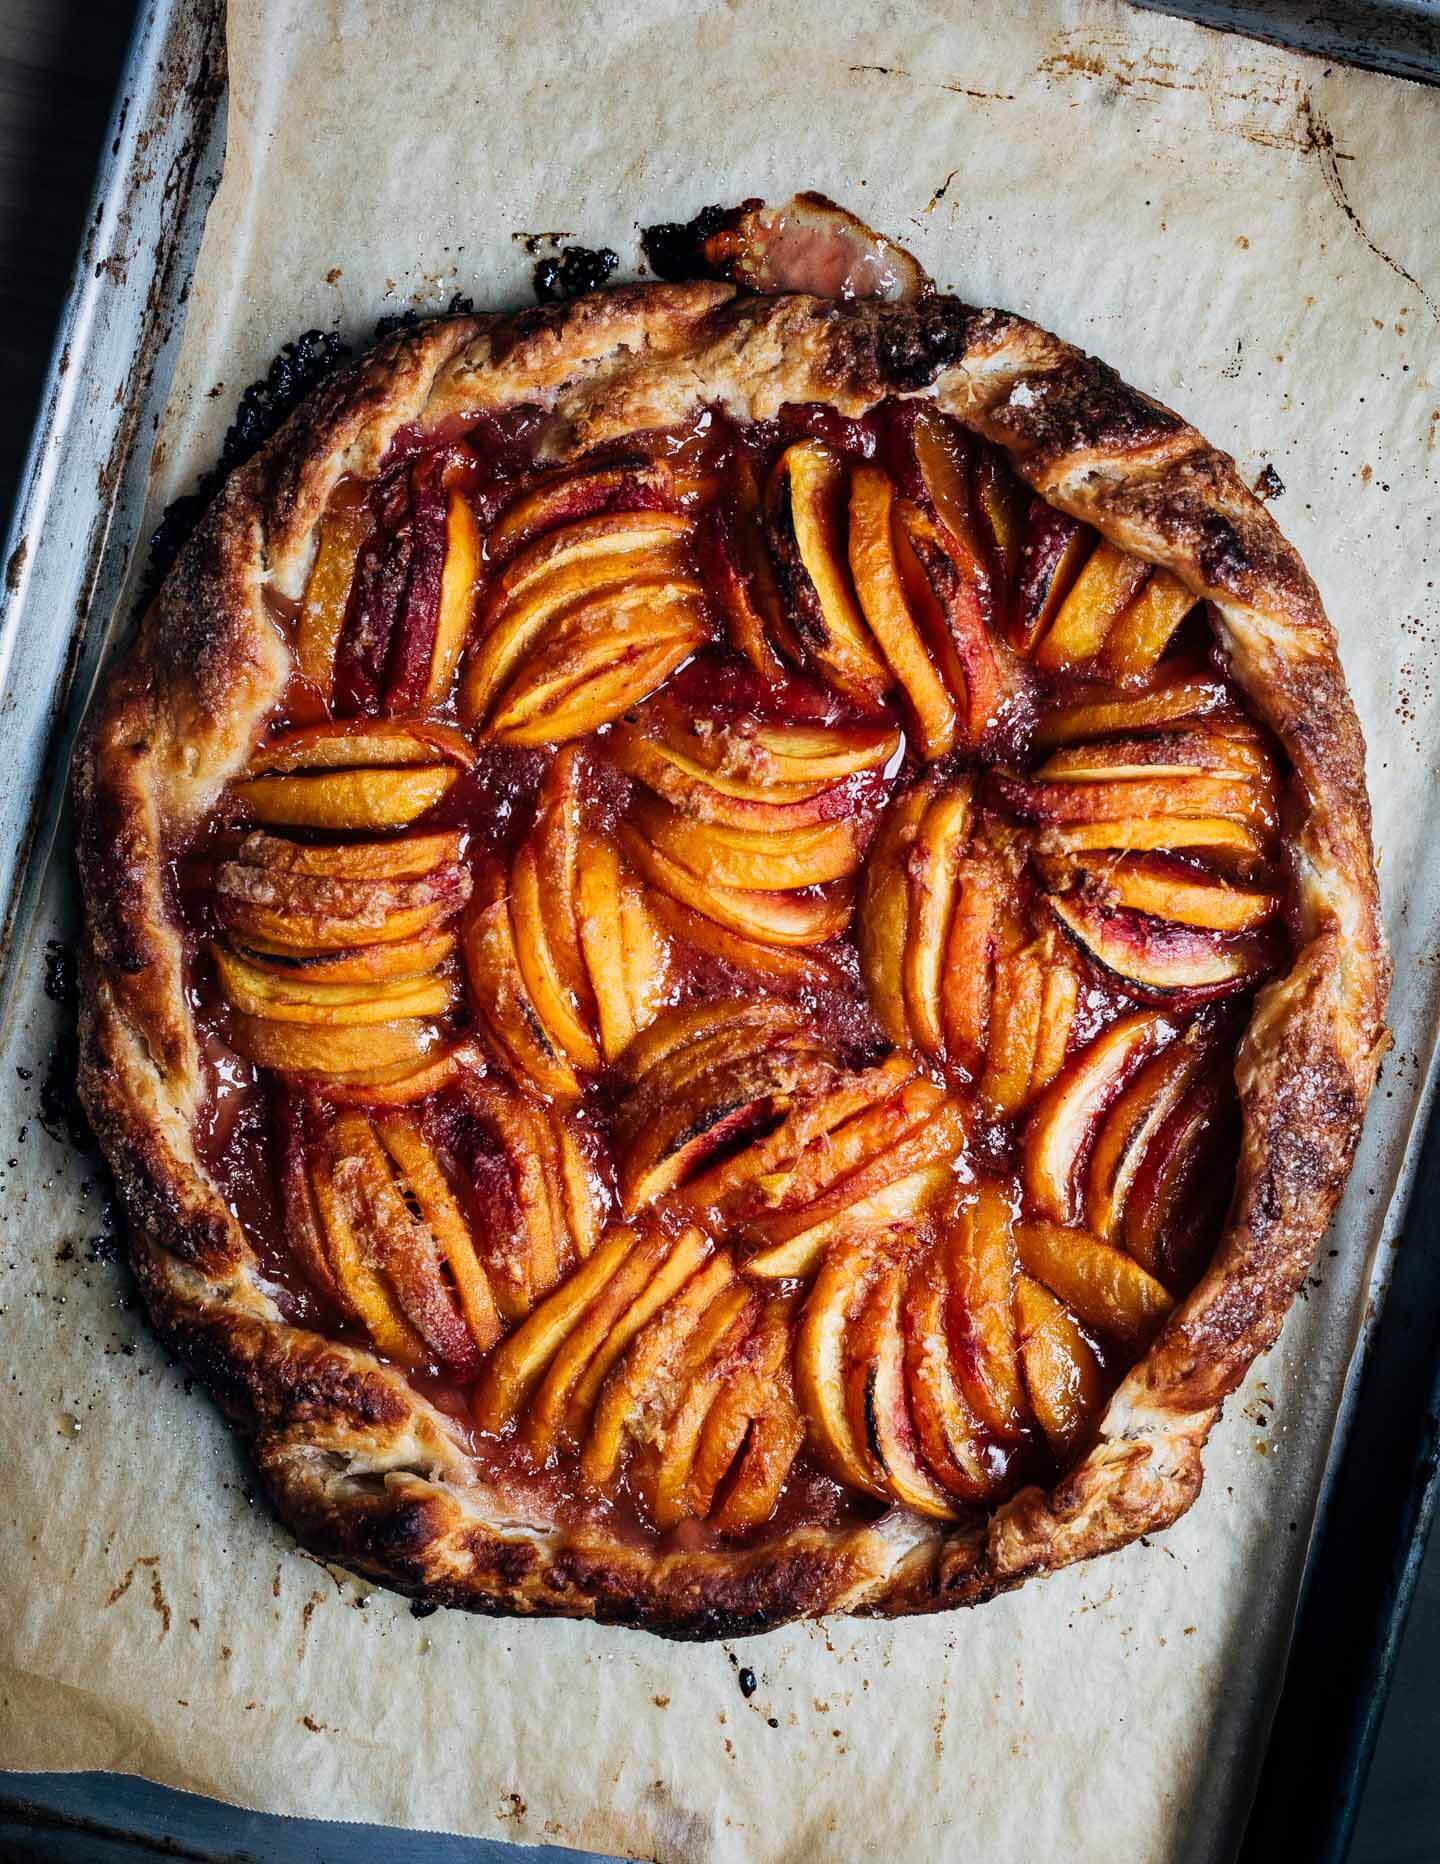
(572, 272)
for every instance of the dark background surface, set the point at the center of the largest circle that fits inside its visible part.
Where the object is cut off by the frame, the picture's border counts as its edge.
(59, 65)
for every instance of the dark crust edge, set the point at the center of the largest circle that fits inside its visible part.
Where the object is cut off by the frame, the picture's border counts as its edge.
(365, 1472)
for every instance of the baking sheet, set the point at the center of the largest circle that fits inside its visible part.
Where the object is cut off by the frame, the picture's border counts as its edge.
(1219, 220)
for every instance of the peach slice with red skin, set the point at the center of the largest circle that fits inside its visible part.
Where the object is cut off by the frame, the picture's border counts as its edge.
(782, 967)
(343, 531)
(626, 961)
(1106, 1288)
(884, 915)
(876, 576)
(403, 1085)
(900, 1204)
(557, 837)
(1139, 637)
(366, 1295)
(569, 499)
(1170, 889)
(1064, 1378)
(554, 1003)
(411, 957)
(497, 983)
(1056, 546)
(876, 1398)
(755, 1418)
(1159, 956)
(966, 988)
(1062, 1128)
(979, 1265)
(1132, 1123)
(949, 1434)
(845, 1279)
(1163, 1227)
(1106, 586)
(742, 576)
(805, 504)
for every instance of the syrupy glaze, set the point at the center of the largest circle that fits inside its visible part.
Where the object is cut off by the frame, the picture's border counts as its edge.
(490, 463)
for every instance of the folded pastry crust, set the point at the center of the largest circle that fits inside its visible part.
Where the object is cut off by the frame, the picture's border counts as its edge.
(363, 1469)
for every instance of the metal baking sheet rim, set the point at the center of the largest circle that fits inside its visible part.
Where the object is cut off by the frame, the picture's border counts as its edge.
(120, 329)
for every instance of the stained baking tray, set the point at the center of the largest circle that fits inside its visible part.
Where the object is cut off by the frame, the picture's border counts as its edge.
(72, 538)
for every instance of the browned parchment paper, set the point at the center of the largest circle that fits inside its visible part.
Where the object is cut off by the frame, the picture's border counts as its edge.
(1244, 232)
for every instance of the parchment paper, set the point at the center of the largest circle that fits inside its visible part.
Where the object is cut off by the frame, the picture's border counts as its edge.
(1241, 230)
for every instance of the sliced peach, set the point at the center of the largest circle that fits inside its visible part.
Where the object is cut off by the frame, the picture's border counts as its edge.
(557, 836)
(777, 1436)
(402, 1085)
(812, 1121)
(897, 1205)
(884, 915)
(577, 500)
(933, 869)
(649, 1365)
(680, 1029)
(1063, 1374)
(806, 503)
(1058, 1004)
(944, 467)
(406, 1251)
(966, 979)
(1140, 635)
(1102, 1285)
(873, 1148)
(946, 1426)
(743, 576)
(949, 593)
(1002, 502)
(1105, 711)
(366, 1294)
(552, 1002)
(1016, 1004)
(876, 1400)
(303, 1233)
(1142, 834)
(627, 1280)
(678, 1265)
(520, 1363)
(1062, 1128)
(1158, 955)
(769, 918)
(403, 859)
(599, 663)
(526, 1241)
(730, 1101)
(762, 1375)
(782, 967)
(713, 1357)
(561, 579)
(747, 859)
(1127, 800)
(411, 957)
(1181, 1182)
(416, 1160)
(498, 985)
(1170, 890)
(1132, 1123)
(346, 799)
(582, 1190)
(795, 754)
(356, 744)
(979, 1267)
(1211, 748)
(820, 1354)
(1109, 582)
(600, 885)
(882, 597)
(315, 912)
(1056, 546)
(302, 1000)
(343, 531)
(458, 584)
(356, 1052)
(714, 797)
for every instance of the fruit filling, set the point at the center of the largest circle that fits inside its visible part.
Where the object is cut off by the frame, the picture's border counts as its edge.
(725, 966)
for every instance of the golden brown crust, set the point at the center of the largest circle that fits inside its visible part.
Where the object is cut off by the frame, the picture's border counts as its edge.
(364, 1470)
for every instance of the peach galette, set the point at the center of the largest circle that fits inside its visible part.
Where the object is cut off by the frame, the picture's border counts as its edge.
(732, 958)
